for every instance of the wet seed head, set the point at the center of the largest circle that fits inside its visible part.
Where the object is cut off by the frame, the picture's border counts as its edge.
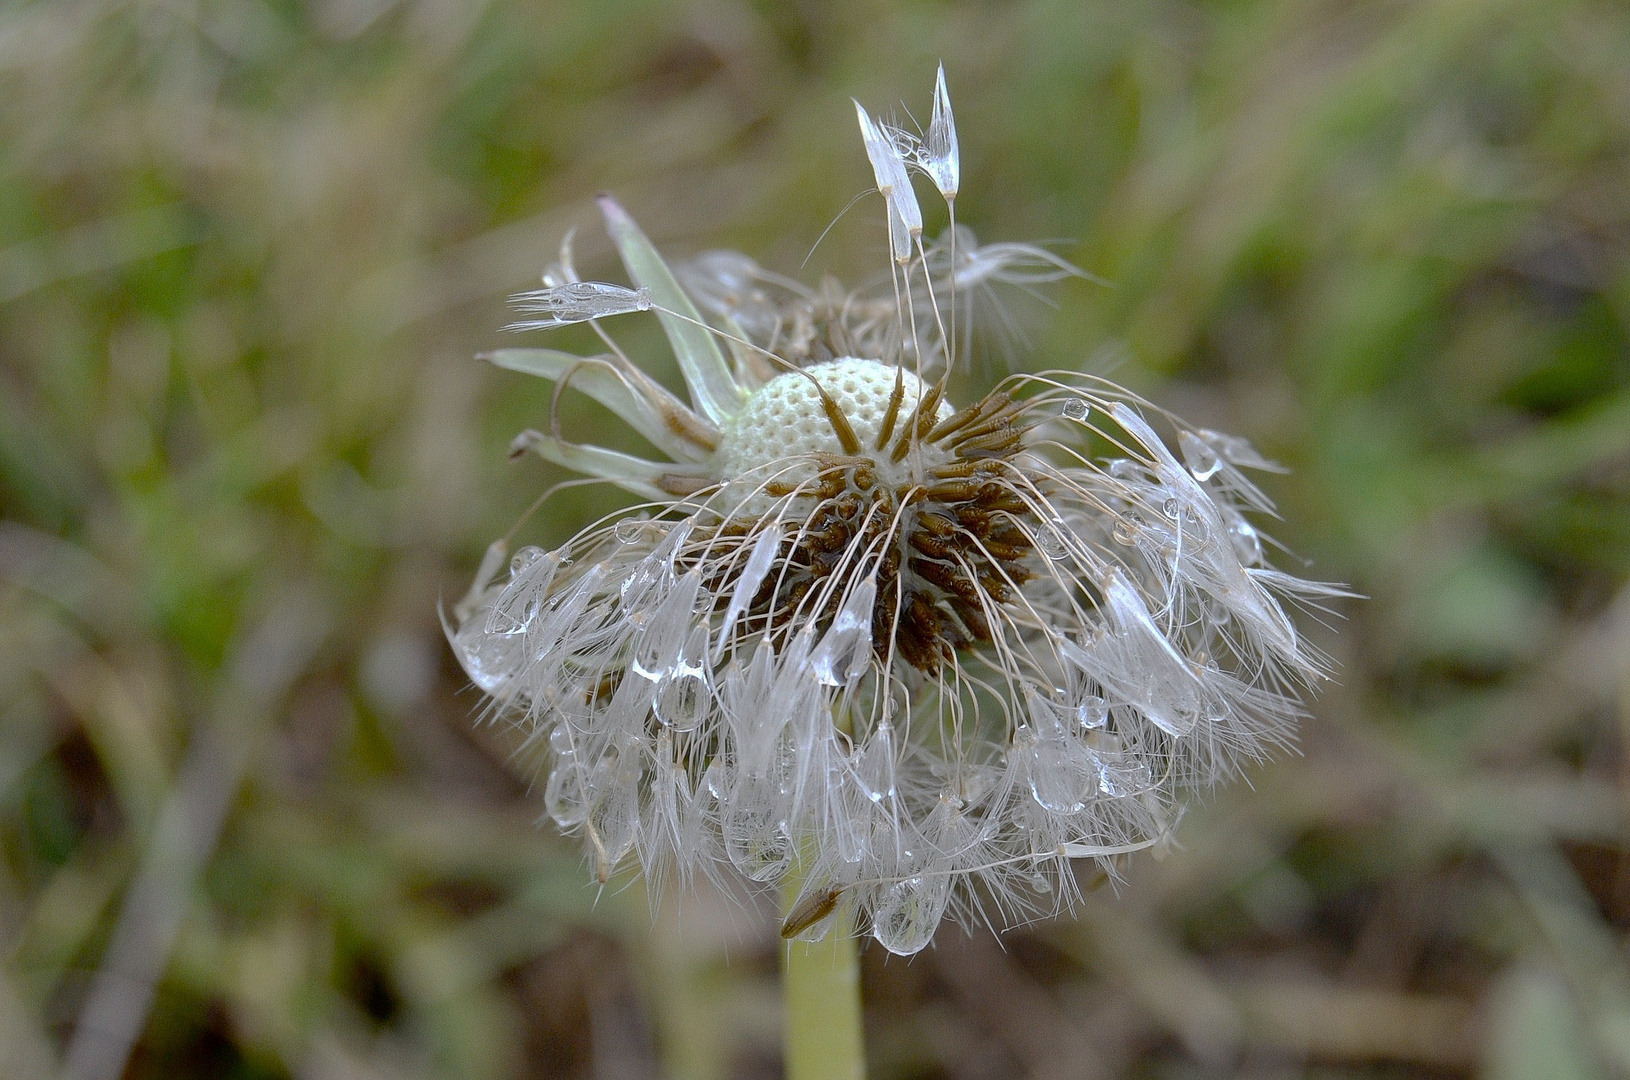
(937, 652)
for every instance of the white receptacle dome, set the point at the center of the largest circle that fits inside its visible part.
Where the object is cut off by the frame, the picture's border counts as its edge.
(785, 418)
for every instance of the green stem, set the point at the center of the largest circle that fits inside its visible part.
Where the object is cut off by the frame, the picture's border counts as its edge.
(821, 984)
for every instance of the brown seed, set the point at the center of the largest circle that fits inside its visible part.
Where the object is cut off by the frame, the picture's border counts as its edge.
(969, 415)
(973, 617)
(840, 424)
(996, 420)
(809, 911)
(946, 576)
(973, 519)
(995, 444)
(932, 546)
(954, 491)
(892, 413)
(956, 469)
(1007, 552)
(998, 497)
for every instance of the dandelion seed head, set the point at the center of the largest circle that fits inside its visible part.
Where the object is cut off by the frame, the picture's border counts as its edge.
(918, 656)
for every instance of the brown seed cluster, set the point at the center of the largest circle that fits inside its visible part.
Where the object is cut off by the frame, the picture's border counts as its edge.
(946, 548)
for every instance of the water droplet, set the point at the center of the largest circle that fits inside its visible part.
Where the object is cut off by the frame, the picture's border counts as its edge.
(909, 912)
(846, 651)
(875, 769)
(1053, 757)
(685, 694)
(1058, 774)
(657, 651)
(1054, 785)
(713, 780)
(1092, 712)
(518, 606)
(762, 853)
(852, 832)
(759, 560)
(1237, 451)
(490, 660)
(1040, 882)
(1076, 408)
(1171, 508)
(1124, 532)
(682, 700)
(566, 796)
(1050, 541)
(616, 815)
(654, 575)
(523, 559)
(1246, 540)
(1201, 459)
(1121, 775)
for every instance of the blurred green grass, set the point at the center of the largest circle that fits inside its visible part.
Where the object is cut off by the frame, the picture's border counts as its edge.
(247, 250)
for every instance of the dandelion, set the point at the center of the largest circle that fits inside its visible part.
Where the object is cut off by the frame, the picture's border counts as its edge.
(906, 656)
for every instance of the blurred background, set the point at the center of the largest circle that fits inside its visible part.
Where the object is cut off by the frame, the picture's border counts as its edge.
(250, 825)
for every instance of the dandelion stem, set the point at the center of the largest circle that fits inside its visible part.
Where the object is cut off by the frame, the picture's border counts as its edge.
(821, 984)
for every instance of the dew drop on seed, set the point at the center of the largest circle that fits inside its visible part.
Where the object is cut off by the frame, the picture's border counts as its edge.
(1055, 779)
(875, 768)
(851, 832)
(1092, 712)
(490, 661)
(1050, 540)
(1247, 541)
(1201, 459)
(762, 853)
(1170, 508)
(845, 652)
(1076, 409)
(684, 694)
(907, 915)
(682, 700)
(521, 601)
(1120, 775)
(713, 780)
(523, 559)
(1040, 882)
(565, 796)
(616, 816)
(1123, 532)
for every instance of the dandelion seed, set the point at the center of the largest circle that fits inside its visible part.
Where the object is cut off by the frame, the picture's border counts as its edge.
(889, 169)
(577, 301)
(928, 654)
(939, 157)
